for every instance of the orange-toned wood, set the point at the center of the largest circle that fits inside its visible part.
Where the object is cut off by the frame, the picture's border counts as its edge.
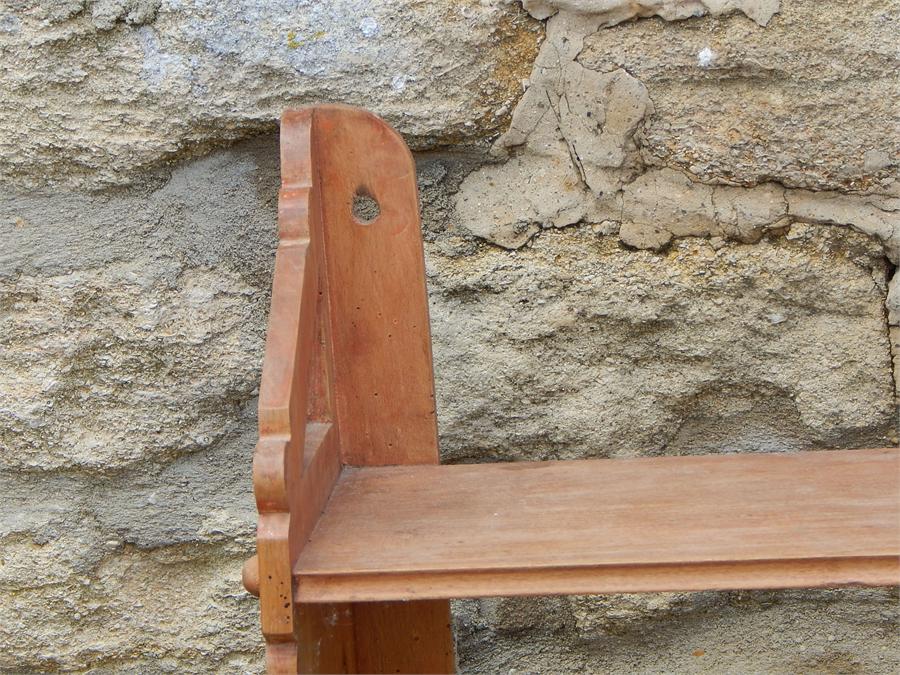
(278, 460)
(326, 639)
(376, 283)
(296, 461)
(347, 391)
(250, 576)
(408, 627)
(824, 518)
(380, 335)
(332, 296)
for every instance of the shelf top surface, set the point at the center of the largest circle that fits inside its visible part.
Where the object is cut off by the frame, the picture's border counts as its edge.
(647, 511)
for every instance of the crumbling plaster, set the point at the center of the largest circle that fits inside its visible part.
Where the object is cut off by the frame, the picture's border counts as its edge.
(576, 143)
(704, 271)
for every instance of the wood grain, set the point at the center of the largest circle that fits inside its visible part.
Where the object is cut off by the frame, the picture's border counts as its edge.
(592, 526)
(278, 458)
(383, 384)
(297, 458)
(346, 378)
(408, 627)
(376, 283)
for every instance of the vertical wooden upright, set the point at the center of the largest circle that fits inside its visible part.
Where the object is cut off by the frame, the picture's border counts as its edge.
(347, 380)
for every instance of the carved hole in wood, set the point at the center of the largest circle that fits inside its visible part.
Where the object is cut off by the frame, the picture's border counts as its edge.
(365, 207)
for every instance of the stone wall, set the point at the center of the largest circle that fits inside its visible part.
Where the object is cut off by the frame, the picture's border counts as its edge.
(654, 227)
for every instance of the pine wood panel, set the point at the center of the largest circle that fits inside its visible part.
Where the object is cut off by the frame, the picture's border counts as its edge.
(283, 401)
(668, 523)
(383, 385)
(399, 637)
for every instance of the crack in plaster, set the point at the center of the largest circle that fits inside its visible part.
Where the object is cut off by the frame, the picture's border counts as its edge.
(612, 12)
(588, 167)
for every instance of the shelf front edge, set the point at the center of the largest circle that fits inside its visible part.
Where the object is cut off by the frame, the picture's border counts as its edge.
(743, 575)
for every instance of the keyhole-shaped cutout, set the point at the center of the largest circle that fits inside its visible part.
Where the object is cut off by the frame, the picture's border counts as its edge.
(365, 207)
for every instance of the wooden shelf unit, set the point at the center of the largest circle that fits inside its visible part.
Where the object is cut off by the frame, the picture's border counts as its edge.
(363, 537)
(824, 518)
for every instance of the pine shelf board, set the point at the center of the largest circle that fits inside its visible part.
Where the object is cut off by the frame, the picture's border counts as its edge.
(728, 521)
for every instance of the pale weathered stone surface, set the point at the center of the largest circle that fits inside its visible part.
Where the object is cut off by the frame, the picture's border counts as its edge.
(116, 319)
(598, 351)
(695, 220)
(806, 101)
(93, 90)
(130, 345)
(176, 610)
(601, 100)
(895, 352)
(849, 631)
